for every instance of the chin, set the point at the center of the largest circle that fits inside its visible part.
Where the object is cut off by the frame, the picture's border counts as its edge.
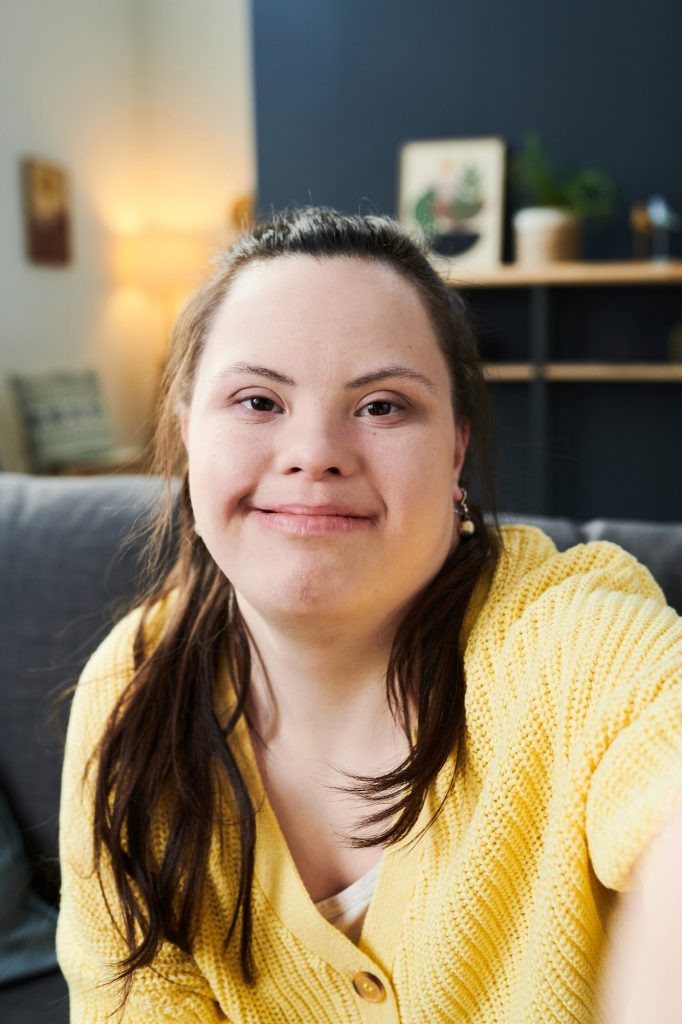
(306, 598)
(307, 595)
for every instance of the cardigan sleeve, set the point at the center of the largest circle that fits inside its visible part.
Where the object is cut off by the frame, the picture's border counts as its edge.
(637, 782)
(89, 942)
(593, 626)
(622, 711)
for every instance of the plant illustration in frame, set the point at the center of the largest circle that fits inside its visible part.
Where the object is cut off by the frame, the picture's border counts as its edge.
(452, 191)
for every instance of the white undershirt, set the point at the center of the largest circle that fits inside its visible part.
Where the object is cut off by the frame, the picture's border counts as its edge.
(347, 909)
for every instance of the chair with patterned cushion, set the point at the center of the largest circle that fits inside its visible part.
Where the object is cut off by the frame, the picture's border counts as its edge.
(65, 424)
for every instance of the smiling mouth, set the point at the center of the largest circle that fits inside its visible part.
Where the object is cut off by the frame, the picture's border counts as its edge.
(309, 520)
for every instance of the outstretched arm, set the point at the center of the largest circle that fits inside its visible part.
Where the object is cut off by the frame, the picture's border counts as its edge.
(643, 980)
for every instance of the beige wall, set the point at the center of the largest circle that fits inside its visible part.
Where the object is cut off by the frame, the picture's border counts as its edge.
(148, 104)
(198, 110)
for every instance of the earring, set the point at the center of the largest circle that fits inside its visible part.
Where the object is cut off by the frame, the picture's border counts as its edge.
(467, 527)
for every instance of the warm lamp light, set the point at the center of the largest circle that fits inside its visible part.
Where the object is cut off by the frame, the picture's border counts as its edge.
(161, 259)
(168, 264)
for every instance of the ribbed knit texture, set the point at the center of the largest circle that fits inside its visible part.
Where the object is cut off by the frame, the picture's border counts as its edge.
(574, 761)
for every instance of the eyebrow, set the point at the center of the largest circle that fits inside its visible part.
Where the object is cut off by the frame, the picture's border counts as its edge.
(394, 370)
(373, 377)
(258, 371)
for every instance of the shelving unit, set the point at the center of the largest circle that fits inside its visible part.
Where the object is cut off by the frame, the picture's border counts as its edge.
(540, 371)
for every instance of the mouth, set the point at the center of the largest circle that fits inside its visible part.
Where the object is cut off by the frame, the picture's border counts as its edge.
(310, 520)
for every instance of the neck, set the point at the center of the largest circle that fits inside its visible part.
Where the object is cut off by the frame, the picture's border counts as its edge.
(322, 692)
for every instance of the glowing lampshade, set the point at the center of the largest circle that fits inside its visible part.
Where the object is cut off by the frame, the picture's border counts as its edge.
(162, 259)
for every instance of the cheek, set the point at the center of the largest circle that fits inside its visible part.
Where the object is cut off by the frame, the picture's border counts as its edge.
(222, 470)
(417, 475)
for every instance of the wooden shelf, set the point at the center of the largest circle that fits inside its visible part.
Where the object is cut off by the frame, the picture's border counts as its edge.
(652, 372)
(509, 371)
(508, 275)
(664, 373)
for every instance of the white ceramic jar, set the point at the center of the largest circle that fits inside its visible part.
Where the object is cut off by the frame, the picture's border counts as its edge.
(544, 234)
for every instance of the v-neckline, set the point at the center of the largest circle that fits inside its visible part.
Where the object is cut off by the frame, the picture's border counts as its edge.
(280, 882)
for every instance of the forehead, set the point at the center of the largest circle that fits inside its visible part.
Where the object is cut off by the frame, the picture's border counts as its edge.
(342, 308)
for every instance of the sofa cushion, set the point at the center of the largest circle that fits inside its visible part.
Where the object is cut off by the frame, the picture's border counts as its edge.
(27, 923)
(66, 576)
(43, 1000)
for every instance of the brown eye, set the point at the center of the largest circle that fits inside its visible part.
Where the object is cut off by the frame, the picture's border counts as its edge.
(378, 408)
(259, 403)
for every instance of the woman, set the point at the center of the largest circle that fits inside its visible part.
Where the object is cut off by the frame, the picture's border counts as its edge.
(359, 756)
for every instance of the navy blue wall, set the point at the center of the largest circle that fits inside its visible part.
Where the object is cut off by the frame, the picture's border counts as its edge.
(340, 84)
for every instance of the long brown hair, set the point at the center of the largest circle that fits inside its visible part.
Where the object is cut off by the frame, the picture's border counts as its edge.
(164, 736)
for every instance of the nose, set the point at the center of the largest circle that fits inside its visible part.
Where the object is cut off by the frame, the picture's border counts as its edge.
(316, 447)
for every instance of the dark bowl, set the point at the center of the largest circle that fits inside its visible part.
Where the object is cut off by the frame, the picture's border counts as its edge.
(454, 243)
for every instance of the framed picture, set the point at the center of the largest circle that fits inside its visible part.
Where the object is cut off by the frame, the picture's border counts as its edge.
(452, 190)
(47, 212)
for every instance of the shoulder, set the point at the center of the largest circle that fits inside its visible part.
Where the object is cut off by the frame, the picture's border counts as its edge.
(552, 607)
(110, 669)
(571, 627)
(532, 572)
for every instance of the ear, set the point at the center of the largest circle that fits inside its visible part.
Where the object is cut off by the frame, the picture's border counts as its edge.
(461, 445)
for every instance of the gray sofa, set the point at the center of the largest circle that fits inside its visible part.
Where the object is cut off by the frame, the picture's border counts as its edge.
(66, 574)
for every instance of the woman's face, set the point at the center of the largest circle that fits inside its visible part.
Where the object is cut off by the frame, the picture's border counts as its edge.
(323, 449)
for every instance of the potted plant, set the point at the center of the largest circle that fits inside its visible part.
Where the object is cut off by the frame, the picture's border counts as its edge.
(554, 204)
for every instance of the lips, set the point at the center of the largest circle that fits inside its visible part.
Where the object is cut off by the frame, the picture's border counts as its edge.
(347, 511)
(300, 520)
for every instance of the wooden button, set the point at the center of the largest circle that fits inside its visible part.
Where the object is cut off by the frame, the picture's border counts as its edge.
(369, 987)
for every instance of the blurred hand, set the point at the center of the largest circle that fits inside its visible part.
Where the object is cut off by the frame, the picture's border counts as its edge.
(643, 979)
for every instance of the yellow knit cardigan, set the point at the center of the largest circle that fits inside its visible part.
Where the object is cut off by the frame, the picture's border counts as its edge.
(498, 914)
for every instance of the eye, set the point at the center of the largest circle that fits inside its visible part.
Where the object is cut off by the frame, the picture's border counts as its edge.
(379, 407)
(259, 403)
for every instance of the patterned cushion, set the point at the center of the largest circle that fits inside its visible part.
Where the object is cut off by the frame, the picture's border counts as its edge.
(63, 417)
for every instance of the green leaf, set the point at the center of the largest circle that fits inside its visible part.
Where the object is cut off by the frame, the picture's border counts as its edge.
(535, 182)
